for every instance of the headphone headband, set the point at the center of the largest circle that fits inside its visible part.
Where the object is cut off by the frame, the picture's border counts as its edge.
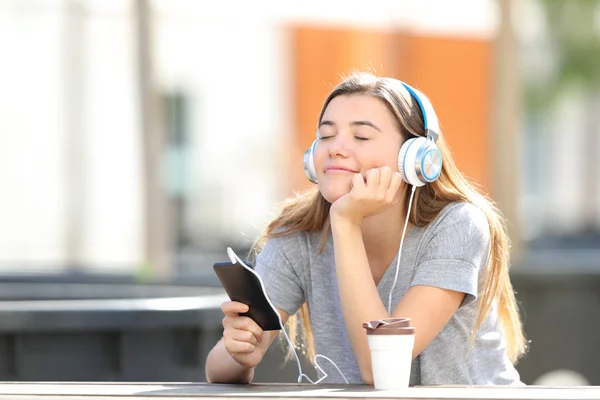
(430, 120)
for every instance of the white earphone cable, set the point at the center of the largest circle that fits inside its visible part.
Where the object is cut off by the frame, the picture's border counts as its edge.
(412, 194)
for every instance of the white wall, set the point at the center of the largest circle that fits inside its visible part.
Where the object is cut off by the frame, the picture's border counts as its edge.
(31, 135)
(41, 96)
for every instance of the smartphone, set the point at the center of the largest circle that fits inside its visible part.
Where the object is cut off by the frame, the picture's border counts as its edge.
(245, 286)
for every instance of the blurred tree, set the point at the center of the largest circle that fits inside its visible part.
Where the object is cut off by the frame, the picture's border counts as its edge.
(574, 35)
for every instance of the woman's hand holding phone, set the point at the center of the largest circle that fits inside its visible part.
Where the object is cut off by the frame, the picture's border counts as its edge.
(244, 340)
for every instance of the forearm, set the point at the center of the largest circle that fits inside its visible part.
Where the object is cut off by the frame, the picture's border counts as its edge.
(222, 368)
(359, 298)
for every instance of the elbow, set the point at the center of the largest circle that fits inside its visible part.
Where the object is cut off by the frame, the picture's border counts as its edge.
(367, 378)
(244, 377)
(233, 381)
(366, 371)
(366, 374)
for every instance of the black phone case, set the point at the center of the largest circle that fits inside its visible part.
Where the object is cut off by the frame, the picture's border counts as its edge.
(243, 286)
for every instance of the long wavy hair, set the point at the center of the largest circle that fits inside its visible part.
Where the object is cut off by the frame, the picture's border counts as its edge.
(309, 212)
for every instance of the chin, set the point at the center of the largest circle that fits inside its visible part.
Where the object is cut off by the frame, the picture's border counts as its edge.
(332, 192)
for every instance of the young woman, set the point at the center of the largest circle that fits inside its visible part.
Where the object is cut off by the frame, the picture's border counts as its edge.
(333, 251)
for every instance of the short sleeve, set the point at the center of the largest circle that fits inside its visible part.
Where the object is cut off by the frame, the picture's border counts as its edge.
(282, 282)
(456, 251)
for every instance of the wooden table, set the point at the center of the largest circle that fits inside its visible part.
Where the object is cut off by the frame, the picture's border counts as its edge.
(182, 391)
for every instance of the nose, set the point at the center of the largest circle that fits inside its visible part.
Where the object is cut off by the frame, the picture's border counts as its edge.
(338, 146)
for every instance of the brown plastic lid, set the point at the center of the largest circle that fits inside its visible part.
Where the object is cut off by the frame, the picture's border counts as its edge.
(389, 326)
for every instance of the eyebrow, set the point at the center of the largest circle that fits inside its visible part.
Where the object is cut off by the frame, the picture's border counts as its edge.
(353, 123)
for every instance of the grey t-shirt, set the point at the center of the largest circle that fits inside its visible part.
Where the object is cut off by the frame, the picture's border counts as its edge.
(449, 253)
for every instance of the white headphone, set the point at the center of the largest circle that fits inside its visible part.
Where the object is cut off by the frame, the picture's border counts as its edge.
(419, 160)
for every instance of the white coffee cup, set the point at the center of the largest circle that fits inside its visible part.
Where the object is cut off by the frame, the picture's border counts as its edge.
(391, 343)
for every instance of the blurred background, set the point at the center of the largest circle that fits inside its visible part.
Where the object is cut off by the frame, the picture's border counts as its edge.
(140, 138)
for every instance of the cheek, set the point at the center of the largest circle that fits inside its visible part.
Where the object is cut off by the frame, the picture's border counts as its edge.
(388, 159)
(392, 158)
(319, 157)
(394, 162)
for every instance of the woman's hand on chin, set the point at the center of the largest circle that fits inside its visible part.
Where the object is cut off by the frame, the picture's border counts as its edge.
(370, 193)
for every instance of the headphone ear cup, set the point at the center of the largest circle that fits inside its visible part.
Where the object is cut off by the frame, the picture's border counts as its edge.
(401, 156)
(309, 164)
(407, 158)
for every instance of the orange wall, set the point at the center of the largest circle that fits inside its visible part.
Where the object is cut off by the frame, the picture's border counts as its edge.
(455, 74)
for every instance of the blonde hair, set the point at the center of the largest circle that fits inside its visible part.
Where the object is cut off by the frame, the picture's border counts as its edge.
(309, 212)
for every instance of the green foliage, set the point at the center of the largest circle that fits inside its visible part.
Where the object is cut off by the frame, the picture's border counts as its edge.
(574, 32)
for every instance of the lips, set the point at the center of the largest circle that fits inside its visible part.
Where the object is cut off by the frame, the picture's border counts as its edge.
(337, 168)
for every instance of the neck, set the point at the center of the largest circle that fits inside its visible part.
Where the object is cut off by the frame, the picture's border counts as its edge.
(382, 233)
